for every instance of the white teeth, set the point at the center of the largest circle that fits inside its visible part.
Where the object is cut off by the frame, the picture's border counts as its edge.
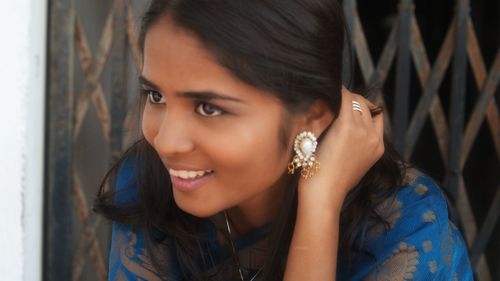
(187, 174)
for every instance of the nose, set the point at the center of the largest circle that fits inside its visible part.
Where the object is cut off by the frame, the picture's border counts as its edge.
(174, 136)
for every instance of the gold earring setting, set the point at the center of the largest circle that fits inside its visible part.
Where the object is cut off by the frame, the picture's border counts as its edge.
(305, 145)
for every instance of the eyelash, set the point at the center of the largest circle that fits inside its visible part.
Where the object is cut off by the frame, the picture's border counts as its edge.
(198, 103)
(148, 94)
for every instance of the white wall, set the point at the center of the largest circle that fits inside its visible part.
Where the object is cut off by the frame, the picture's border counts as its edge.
(22, 101)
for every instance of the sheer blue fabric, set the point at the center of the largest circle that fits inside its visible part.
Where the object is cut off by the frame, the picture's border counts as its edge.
(420, 243)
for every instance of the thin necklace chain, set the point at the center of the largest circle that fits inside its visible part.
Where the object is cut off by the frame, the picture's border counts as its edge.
(236, 260)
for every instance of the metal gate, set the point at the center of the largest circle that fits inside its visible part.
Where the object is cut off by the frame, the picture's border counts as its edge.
(444, 106)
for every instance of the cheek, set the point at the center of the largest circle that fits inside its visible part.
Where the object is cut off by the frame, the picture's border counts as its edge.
(252, 153)
(150, 123)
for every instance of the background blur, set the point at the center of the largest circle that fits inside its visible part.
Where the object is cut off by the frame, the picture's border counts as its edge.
(68, 110)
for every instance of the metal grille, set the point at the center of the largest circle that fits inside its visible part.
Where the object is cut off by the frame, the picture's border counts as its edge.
(460, 45)
(93, 54)
(93, 51)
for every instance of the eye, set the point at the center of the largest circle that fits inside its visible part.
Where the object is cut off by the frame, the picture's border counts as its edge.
(155, 97)
(208, 110)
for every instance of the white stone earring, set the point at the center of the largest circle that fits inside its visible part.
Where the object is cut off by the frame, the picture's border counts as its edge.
(304, 146)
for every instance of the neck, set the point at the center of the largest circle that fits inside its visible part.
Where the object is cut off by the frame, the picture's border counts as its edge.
(259, 210)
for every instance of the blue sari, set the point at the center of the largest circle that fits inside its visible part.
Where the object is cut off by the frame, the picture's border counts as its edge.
(421, 243)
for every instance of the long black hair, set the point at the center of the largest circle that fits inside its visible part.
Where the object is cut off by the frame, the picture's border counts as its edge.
(294, 50)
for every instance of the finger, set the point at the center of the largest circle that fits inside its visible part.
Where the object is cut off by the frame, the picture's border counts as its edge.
(378, 119)
(378, 123)
(359, 102)
(346, 105)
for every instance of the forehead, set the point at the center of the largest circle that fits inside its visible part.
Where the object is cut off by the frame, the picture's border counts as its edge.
(169, 47)
(174, 59)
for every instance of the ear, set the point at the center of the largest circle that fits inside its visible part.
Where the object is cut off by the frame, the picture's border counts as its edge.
(318, 117)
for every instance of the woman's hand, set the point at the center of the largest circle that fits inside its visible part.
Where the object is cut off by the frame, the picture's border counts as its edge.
(350, 147)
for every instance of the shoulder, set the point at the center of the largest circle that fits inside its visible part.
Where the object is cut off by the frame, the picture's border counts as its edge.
(421, 200)
(419, 241)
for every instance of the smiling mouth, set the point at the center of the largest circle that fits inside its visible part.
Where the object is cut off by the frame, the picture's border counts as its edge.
(187, 175)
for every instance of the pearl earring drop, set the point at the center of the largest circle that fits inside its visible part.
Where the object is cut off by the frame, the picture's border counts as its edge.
(305, 145)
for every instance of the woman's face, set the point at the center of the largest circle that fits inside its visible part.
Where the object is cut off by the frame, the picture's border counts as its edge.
(200, 117)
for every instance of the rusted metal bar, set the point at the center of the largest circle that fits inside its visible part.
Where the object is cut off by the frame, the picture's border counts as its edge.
(380, 74)
(92, 69)
(485, 99)
(349, 7)
(361, 50)
(87, 241)
(457, 101)
(479, 71)
(487, 229)
(372, 77)
(58, 211)
(401, 100)
(386, 59)
(132, 35)
(119, 66)
(430, 96)
(470, 229)
(132, 118)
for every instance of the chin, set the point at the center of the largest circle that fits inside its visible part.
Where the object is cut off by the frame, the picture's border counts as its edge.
(197, 209)
(200, 213)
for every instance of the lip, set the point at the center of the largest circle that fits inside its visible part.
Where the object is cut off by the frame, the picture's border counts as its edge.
(187, 185)
(180, 166)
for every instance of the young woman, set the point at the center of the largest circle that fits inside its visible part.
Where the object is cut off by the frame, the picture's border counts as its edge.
(256, 164)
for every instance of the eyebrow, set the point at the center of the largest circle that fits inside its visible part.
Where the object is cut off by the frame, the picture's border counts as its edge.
(201, 95)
